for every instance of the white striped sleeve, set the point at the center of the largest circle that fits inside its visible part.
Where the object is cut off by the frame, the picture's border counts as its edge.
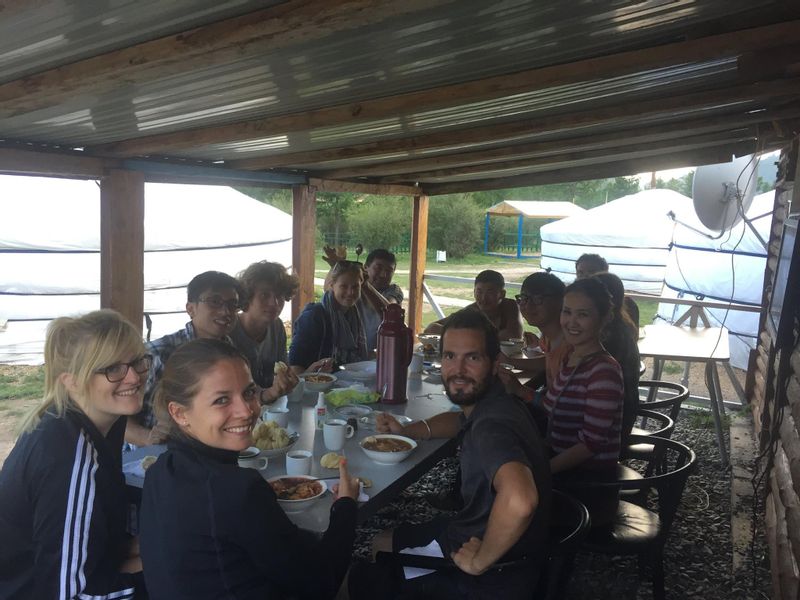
(77, 525)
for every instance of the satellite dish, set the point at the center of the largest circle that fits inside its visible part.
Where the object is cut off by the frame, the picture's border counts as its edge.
(723, 193)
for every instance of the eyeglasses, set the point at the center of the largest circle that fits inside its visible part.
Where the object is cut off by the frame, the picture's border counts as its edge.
(536, 300)
(118, 371)
(217, 303)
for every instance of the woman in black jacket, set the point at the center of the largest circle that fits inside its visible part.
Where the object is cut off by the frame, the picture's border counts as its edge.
(63, 506)
(210, 529)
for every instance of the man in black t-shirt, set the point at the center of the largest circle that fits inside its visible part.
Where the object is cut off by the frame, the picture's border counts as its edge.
(505, 482)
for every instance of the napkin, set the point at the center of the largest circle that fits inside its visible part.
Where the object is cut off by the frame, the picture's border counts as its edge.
(362, 497)
(432, 549)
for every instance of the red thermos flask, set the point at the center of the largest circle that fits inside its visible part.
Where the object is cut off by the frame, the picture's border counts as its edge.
(395, 348)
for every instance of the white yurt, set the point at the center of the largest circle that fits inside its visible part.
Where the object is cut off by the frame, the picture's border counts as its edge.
(50, 251)
(727, 269)
(632, 233)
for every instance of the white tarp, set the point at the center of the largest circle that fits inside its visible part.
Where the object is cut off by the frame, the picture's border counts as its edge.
(632, 233)
(728, 269)
(50, 250)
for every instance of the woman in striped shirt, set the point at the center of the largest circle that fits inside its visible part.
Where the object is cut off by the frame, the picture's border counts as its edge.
(585, 400)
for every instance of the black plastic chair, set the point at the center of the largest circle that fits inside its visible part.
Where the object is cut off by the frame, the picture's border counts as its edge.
(637, 530)
(672, 404)
(658, 424)
(569, 526)
(647, 414)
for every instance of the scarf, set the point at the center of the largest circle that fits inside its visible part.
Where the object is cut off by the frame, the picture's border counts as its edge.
(349, 344)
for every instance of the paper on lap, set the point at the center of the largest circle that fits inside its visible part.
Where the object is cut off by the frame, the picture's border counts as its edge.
(432, 549)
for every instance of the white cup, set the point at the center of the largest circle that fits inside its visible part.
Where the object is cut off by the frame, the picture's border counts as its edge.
(298, 462)
(335, 432)
(296, 395)
(416, 363)
(250, 459)
(278, 414)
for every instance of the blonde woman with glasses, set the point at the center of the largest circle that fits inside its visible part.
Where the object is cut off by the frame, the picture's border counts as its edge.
(63, 506)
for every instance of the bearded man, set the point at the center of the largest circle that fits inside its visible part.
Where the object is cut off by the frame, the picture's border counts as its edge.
(505, 482)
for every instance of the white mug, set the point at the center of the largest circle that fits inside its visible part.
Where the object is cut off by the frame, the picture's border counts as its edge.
(250, 459)
(334, 433)
(298, 462)
(277, 414)
(416, 363)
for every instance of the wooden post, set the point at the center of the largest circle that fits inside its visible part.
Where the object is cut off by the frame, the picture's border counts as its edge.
(304, 229)
(419, 249)
(122, 243)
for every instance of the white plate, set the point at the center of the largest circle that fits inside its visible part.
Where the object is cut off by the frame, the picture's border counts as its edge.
(353, 410)
(293, 437)
(360, 371)
(368, 421)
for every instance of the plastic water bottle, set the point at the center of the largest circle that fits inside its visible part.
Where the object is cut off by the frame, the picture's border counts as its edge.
(321, 410)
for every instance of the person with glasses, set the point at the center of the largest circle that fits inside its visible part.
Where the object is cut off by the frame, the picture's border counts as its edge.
(490, 299)
(540, 304)
(212, 304)
(330, 332)
(63, 502)
(259, 333)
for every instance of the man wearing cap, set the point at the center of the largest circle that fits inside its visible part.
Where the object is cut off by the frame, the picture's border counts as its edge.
(212, 303)
(490, 299)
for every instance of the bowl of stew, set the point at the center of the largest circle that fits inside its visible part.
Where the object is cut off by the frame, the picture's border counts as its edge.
(297, 492)
(387, 448)
(318, 382)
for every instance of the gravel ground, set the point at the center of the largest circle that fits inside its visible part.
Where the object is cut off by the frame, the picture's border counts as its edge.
(698, 553)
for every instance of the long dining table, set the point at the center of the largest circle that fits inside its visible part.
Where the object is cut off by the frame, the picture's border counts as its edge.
(425, 398)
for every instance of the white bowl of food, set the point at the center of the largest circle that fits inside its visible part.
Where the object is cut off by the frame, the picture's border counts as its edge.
(273, 440)
(364, 370)
(318, 382)
(297, 492)
(387, 448)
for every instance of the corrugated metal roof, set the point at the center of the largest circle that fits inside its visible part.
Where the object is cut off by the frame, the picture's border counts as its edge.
(424, 48)
(39, 35)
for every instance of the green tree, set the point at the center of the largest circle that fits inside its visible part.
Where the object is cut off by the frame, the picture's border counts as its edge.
(380, 222)
(454, 225)
(682, 185)
(332, 213)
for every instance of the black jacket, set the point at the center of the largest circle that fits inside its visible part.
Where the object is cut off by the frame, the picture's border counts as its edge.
(210, 529)
(63, 513)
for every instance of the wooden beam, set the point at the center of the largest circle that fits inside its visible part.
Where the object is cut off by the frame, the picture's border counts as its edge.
(616, 169)
(122, 244)
(251, 35)
(304, 230)
(713, 47)
(621, 113)
(585, 142)
(419, 251)
(584, 158)
(379, 189)
(26, 162)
